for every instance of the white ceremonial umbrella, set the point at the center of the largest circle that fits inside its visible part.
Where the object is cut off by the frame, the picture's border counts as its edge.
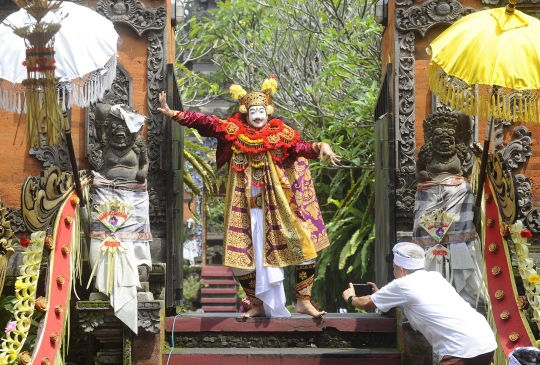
(54, 54)
(85, 53)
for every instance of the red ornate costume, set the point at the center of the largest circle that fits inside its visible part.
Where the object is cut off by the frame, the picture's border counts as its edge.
(272, 158)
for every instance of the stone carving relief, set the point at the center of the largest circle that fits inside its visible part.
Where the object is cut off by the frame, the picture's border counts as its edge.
(415, 19)
(406, 174)
(404, 2)
(148, 315)
(434, 12)
(518, 150)
(153, 20)
(41, 196)
(14, 215)
(134, 14)
(119, 93)
(92, 314)
(52, 156)
(514, 154)
(523, 186)
(157, 179)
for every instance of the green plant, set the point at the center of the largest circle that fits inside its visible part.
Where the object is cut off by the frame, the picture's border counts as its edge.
(326, 56)
(192, 287)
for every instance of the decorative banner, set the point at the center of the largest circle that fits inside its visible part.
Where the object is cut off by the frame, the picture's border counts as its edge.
(112, 214)
(512, 327)
(65, 238)
(437, 223)
(25, 291)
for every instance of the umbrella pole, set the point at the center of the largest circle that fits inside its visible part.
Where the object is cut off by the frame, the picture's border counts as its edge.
(85, 222)
(483, 164)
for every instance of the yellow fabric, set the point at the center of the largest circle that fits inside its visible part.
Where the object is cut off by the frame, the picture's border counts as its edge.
(491, 47)
(295, 241)
(483, 49)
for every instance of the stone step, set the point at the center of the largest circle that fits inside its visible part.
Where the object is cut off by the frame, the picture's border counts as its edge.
(211, 270)
(218, 300)
(228, 330)
(283, 356)
(222, 282)
(219, 291)
(343, 322)
(219, 308)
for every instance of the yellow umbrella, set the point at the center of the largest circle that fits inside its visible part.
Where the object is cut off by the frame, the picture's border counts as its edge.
(488, 64)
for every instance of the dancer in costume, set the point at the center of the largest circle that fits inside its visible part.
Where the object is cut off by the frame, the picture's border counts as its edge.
(272, 216)
(443, 211)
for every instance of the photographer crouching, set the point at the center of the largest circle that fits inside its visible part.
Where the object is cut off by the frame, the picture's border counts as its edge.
(458, 334)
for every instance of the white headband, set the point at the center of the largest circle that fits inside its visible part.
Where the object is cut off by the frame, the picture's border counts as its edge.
(402, 260)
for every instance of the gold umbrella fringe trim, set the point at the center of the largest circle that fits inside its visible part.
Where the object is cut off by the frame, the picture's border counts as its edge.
(484, 100)
(43, 112)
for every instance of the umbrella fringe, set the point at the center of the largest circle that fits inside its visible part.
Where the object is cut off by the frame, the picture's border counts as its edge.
(92, 88)
(81, 92)
(510, 105)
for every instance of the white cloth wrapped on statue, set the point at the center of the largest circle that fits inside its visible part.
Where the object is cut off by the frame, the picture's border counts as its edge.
(120, 241)
(457, 254)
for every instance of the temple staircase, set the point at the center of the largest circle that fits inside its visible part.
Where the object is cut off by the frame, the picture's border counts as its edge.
(219, 291)
(223, 338)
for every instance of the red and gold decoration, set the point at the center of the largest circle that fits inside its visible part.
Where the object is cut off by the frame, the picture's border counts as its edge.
(43, 112)
(507, 317)
(52, 335)
(250, 145)
(263, 97)
(305, 276)
(248, 282)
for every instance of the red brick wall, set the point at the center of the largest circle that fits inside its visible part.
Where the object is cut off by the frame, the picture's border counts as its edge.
(16, 164)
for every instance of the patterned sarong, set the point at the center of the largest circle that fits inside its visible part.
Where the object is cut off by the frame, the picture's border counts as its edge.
(457, 199)
(294, 229)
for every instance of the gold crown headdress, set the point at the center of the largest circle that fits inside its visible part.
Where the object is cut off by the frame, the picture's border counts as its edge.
(263, 97)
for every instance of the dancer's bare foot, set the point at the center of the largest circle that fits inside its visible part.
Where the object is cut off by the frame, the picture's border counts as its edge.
(305, 307)
(257, 311)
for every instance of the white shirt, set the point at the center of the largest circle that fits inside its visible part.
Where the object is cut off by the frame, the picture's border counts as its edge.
(433, 306)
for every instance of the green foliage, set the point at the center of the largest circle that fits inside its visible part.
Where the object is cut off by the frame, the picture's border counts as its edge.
(216, 211)
(192, 287)
(326, 58)
(198, 156)
(6, 310)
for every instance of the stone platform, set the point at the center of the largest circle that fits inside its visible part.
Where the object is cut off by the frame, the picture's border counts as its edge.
(223, 338)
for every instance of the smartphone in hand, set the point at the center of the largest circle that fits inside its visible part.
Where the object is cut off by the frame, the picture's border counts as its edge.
(361, 290)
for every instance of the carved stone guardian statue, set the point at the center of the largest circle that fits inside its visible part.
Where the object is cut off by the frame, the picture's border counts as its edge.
(120, 232)
(444, 204)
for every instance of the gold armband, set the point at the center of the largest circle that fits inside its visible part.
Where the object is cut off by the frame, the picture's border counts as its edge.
(176, 115)
(317, 146)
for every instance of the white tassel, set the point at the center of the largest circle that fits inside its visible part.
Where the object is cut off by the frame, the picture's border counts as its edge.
(19, 103)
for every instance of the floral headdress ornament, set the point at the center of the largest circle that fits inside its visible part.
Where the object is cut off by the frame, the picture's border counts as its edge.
(262, 97)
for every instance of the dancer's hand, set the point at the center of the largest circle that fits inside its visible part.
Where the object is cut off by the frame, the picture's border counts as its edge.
(326, 153)
(164, 109)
